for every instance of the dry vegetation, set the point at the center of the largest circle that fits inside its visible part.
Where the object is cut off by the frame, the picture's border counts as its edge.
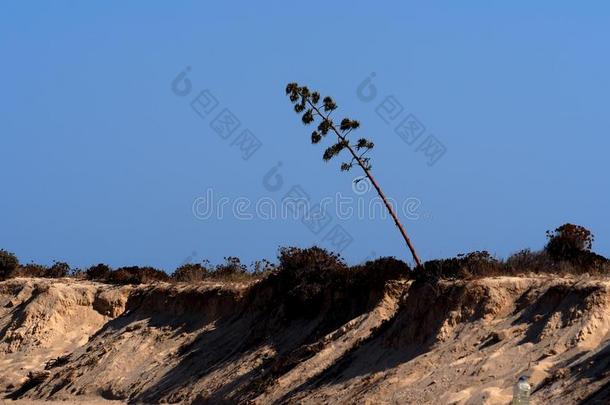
(568, 252)
(311, 329)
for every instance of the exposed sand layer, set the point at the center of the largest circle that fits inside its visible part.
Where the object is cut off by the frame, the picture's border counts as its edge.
(451, 343)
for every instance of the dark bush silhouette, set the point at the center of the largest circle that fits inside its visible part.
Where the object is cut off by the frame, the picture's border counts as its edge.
(526, 260)
(190, 273)
(307, 280)
(591, 263)
(8, 264)
(136, 275)
(568, 242)
(438, 268)
(474, 264)
(31, 270)
(542, 262)
(569, 246)
(123, 276)
(78, 273)
(481, 263)
(231, 270)
(260, 268)
(98, 272)
(297, 260)
(381, 269)
(308, 276)
(58, 270)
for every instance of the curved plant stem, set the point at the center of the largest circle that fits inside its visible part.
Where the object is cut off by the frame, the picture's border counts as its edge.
(368, 174)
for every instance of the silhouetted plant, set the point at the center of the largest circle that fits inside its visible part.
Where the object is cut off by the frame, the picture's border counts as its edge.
(591, 262)
(313, 107)
(438, 269)
(527, 261)
(32, 270)
(313, 259)
(480, 263)
(98, 272)
(260, 268)
(8, 264)
(305, 278)
(190, 273)
(568, 242)
(308, 282)
(136, 275)
(463, 266)
(78, 273)
(231, 270)
(58, 270)
(381, 269)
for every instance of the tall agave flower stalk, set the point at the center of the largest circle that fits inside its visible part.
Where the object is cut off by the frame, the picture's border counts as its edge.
(308, 104)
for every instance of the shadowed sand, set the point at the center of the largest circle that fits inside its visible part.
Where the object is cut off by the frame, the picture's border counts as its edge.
(457, 342)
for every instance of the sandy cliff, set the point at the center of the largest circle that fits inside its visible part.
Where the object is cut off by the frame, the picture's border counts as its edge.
(462, 342)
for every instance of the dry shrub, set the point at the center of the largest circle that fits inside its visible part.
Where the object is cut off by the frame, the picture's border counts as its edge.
(58, 270)
(231, 270)
(308, 280)
(377, 272)
(593, 263)
(474, 264)
(98, 272)
(527, 261)
(481, 264)
(190, 273)
(8, 264)
(569, 242)
(136, 275)
(31, 270)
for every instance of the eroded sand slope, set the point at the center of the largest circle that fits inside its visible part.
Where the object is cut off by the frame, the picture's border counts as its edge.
(453, 342)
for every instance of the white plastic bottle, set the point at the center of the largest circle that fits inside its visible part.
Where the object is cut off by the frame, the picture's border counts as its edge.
(521, 392)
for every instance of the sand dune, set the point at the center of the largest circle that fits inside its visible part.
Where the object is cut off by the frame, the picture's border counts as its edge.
(457, 342)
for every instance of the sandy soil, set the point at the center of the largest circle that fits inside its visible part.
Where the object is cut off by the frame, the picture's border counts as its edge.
(81, 401)
(451, 343)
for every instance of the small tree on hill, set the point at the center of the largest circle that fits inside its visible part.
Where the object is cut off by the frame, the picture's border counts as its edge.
(98, 272)
(58, 270)
(308, 104)
(568, 242)
(8, 264)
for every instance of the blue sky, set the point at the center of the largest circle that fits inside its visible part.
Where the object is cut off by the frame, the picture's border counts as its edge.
(102, 161)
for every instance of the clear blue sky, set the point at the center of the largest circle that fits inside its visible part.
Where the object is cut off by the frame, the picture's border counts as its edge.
(101, 161)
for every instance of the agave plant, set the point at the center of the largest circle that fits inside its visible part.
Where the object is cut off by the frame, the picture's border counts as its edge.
(312, 109)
